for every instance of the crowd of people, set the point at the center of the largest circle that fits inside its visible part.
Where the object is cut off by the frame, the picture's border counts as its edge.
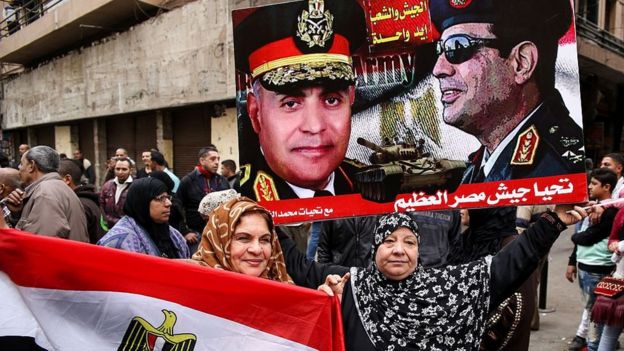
(418, 280)
(445, 280)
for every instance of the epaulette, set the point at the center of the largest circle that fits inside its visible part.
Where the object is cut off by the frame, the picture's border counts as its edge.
(567, 141)
(245, 173)
(264, 187)
(526, 147)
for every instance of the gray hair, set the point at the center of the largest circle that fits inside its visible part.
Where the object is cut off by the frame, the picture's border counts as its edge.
(45, 157)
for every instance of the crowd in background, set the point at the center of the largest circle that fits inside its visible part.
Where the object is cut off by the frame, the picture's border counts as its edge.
(148, 209)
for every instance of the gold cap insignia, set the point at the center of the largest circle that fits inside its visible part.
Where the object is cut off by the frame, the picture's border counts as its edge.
(526, 146)
(264, 187)
(315, 26)
(459, 4)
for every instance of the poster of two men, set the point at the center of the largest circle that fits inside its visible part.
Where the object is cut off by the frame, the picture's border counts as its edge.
(356, 107)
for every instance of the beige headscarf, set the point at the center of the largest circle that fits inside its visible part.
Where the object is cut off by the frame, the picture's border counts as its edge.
(214, 250)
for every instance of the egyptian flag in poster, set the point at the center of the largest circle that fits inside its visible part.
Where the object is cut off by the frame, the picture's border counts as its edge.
(66, 295)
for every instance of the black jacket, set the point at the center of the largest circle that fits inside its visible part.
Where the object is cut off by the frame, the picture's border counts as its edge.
(347, 242)
(191, 192)
(509, 269)
(91, 203)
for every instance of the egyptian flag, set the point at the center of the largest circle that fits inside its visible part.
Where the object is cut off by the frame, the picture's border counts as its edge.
(65, 295)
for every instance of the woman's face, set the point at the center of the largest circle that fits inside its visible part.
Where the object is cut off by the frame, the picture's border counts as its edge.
(397, 255)
(160, 208)
(250, 248)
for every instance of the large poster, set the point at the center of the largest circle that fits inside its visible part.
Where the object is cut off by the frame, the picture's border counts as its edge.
(350, 108)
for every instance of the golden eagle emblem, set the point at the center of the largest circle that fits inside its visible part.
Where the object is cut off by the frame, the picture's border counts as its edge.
(142, 336)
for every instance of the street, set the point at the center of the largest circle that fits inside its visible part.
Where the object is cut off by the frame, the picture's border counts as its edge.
(557, 328)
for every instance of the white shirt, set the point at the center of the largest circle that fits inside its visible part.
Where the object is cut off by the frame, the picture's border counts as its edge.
(619, 186)
(304, 193)
(121, 187)
(490, 160)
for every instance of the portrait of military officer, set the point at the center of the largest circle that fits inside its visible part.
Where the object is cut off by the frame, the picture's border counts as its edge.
(298, 56)
(496, 73)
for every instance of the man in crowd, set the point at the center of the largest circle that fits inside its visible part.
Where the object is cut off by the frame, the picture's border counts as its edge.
(194, 186)
(71, 174)
(88, 171)
(121, 152)
(303, 89)
(158, 163)
(228, 170)
(22, 149)
(591, 258)
(114, 192)
(146, 157)
(9, 181)
(46, 206)
(496, 69)
(615, 162)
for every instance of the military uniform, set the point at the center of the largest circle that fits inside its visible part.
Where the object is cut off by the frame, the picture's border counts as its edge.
(549, 143)
(291, 46)
(258, 181)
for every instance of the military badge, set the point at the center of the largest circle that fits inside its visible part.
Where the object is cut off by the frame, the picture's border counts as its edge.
(526, 146)
(142, 336)
(567, 142)
(315, 26)
(572, 157)
(459, 4)
(264, 187)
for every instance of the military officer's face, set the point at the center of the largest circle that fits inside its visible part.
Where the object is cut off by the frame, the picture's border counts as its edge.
(481, 86)
(304, 134)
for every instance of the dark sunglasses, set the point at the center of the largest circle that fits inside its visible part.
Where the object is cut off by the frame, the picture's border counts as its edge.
(460, 48)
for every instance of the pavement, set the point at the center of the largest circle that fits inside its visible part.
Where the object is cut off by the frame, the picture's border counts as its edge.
(557, 328)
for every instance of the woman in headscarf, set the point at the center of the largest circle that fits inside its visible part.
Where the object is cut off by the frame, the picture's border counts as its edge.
(144, 228)
(398, 305)
(239, 237)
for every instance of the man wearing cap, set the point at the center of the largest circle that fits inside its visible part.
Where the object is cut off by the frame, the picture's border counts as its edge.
(496, 69)
(299, 58)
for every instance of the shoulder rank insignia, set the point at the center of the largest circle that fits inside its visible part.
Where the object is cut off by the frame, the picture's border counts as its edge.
(264, 187)
(141, 335)
(245, 173)
(526, 146)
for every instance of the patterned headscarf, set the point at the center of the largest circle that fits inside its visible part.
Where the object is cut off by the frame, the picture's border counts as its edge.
(432, 309)
(214, 249)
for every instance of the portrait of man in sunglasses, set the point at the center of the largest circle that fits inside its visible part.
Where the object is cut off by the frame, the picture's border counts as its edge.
(496, 73)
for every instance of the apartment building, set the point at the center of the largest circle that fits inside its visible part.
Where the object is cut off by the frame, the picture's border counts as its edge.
(600, 40)
(102, 74)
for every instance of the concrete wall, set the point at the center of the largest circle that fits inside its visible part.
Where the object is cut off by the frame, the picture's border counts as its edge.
(181, 57)
(224, 135)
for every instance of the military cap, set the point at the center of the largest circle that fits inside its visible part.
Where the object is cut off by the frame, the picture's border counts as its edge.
(300, 42)
(549, 19)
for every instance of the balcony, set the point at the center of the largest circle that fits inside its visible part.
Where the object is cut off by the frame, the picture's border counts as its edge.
(62, 25)
(600, 52)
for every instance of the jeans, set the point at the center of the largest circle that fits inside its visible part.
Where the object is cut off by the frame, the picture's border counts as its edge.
(313, 242)
(609, 338)
(587, 283)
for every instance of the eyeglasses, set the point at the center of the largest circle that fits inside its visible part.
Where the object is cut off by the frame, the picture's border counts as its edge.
(162, 198)
(460, 48)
